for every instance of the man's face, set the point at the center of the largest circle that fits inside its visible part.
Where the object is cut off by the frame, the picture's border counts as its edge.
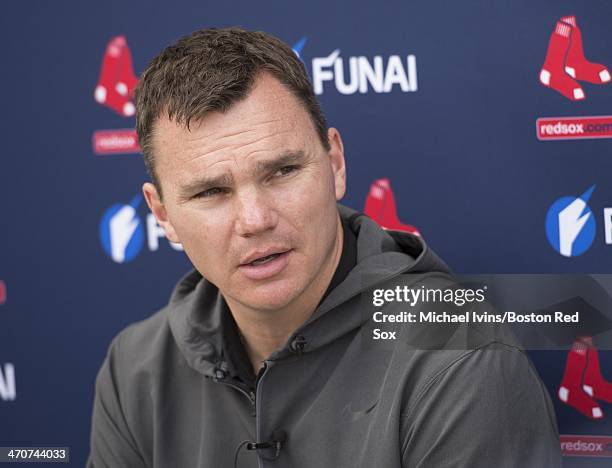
(252, 182)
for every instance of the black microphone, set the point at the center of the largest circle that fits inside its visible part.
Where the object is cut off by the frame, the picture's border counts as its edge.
(276, 441)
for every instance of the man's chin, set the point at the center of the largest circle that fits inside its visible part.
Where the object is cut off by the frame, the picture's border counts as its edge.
(268, 297)
(269, 303)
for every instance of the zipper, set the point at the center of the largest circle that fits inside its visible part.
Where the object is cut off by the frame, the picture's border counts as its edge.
(259, 385)
(249, 394)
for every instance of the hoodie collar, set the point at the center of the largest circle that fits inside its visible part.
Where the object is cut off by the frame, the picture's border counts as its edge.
(197, 307)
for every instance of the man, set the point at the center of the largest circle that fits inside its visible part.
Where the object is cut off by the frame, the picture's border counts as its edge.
(259, 359)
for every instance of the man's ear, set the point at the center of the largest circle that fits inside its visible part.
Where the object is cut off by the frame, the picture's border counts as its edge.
(336, 154)
(158, 209)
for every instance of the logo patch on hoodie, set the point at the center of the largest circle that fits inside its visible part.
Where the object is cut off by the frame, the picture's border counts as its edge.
(356, 415)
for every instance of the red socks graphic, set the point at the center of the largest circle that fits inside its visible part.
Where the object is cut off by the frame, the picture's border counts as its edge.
(570, 390)
(553, 71)
(582, 381)
(576, 65)
(594, 383)
(380, 206)
(565, 61)
(117, 80)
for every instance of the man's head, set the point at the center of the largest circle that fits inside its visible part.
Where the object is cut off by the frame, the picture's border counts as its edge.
(210, 70)
(242, 165)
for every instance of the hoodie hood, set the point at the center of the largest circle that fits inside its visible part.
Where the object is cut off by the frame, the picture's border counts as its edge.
(197, 308)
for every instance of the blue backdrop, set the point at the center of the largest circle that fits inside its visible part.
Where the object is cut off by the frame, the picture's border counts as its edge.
(458, 144)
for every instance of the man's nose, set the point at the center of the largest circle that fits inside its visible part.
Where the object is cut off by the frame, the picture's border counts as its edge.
(255, 212)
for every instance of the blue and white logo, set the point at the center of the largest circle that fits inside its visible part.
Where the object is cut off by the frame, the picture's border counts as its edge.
(570, 225)
(122, 231)
(298, 46)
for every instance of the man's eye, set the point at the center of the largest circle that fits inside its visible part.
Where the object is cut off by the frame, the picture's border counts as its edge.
(286, 170)
(210, 192)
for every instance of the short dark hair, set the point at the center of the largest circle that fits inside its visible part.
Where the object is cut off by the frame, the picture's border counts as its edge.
(210, 70)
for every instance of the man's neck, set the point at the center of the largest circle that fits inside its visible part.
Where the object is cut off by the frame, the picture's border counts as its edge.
(264, 332)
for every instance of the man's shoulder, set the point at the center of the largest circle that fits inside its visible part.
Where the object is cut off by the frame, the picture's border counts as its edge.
(142, 343)
(496, 366)
(504, 354)
(152, 337)
(474, 398)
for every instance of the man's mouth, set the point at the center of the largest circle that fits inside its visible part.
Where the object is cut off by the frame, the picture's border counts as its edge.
(266, 266)
(266, 259)
(262, 256)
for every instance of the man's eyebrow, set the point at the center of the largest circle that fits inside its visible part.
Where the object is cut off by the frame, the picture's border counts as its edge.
(205, 183)
(287, 158)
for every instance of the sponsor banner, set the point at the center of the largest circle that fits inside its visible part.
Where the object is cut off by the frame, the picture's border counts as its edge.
(574, 128)
(378, 75)
(115, 141)
(586, 446)
(349, 75)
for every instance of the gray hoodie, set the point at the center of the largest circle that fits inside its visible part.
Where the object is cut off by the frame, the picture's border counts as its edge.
(166, 395)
